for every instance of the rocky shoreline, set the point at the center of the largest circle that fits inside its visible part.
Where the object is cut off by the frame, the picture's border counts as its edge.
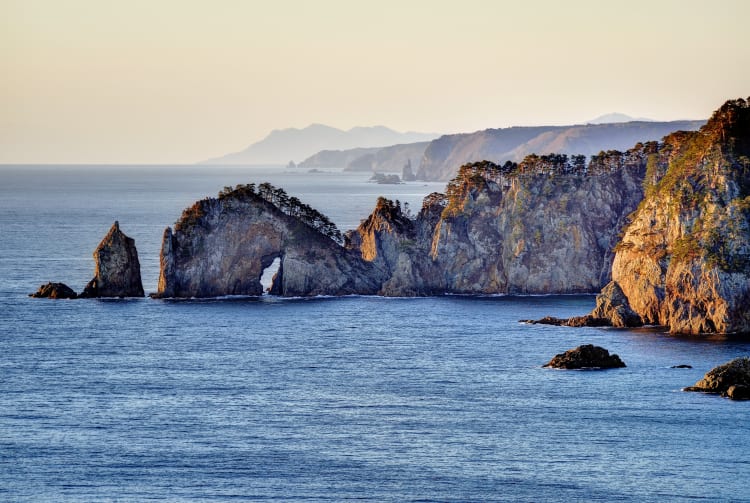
(662, 231)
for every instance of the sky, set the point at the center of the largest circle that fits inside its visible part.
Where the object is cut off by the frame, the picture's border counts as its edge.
(178, 81)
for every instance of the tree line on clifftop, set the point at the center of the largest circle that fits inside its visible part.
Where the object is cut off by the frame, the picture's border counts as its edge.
(289, 205)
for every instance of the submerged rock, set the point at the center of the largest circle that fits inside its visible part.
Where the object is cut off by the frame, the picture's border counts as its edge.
(731, 380)
(54, 291)
(586, 356)
(117, 272)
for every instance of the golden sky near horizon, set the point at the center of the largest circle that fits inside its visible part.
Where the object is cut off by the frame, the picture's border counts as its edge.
(178, 81)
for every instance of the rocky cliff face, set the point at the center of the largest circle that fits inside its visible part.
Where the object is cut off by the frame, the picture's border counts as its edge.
(117, 272)
(547, 225)
(684, 260)
(221, 246)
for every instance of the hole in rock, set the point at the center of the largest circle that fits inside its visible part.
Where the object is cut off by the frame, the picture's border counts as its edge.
(266, 279)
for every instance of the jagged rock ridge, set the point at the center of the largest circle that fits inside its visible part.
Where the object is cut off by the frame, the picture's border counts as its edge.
(546, 225)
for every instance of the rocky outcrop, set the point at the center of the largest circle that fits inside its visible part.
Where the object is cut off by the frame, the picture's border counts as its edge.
(684, 259)
(117, 272)
(396, 244)
(221, 246)
(612, 307)
(612, 310)
(54, 291)
(587, 356)
(731, 379)
(443, 155)
(547, 225)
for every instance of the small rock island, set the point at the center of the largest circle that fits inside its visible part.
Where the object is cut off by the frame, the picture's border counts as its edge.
(586, 356)
(731, 380)
(117, 271)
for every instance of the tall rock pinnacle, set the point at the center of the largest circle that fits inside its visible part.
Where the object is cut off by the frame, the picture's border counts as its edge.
(118, 272)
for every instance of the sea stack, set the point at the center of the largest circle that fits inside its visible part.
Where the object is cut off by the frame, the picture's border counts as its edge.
(118, 272)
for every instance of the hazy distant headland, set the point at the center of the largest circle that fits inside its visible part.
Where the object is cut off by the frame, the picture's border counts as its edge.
(437, 158)
(292, 144)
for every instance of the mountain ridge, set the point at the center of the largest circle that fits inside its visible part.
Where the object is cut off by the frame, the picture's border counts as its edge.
(296, 144)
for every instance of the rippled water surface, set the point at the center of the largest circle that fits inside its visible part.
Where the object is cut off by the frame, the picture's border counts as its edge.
(356, 398)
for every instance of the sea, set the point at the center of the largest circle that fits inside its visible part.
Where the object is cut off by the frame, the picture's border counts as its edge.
(369, 399)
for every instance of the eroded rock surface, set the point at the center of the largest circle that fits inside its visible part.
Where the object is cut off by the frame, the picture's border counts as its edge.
(731, 379)
(586, 356)
(117, 272)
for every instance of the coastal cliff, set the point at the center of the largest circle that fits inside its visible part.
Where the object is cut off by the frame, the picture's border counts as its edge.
(221, 246)
(546, 225)
(684, 259)
(665, 225)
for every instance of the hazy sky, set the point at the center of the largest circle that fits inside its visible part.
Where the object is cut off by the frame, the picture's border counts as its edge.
(175, 81)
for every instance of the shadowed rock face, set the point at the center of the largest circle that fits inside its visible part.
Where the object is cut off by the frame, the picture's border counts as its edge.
(221, 246)
(587, 356)
(731, 379)
(118, 272)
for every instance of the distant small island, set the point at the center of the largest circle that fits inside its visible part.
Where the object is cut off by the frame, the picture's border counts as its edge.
(385, 179)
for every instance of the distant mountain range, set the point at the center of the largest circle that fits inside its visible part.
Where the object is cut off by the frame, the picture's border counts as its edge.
(440, 158)
(446, 154)
(284, 145)
(436, 158)
(617, 117)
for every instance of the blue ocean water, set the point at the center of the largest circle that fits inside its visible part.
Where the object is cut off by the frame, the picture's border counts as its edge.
(326, 399)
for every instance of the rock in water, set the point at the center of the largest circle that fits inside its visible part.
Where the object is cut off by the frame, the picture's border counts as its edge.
(54, 291)
(587, 356)
(612, 305)
(118, 272)
(731, 379)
